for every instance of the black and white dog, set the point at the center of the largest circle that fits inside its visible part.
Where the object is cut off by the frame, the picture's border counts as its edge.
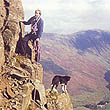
(63, 80)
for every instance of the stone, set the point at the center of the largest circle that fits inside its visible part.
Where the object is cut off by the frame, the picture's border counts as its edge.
(2, 57)
(58, 101)
(11, 14)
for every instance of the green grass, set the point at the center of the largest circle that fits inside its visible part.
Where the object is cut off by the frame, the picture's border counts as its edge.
(108, 107)
(91, 98)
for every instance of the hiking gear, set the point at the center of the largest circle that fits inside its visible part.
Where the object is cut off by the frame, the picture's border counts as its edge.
(34, 28)
(38, 25)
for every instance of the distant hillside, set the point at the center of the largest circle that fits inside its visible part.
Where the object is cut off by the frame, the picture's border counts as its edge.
(85, 56)
(98, 41)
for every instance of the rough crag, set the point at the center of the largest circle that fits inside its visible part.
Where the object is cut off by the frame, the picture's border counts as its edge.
(18, 75)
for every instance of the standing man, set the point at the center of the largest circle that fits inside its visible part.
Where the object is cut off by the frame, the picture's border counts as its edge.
(36, 32)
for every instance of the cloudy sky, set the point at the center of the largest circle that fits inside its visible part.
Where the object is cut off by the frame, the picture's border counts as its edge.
(69, 16)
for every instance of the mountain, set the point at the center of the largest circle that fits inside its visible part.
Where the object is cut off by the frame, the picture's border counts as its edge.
(84, 56)
(95, 40)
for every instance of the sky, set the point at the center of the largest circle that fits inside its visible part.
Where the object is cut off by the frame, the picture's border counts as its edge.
(69, 16)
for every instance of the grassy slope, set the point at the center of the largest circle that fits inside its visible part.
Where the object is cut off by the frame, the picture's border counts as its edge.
(87, 70)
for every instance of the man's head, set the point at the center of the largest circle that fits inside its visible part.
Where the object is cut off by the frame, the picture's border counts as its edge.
(37, 13)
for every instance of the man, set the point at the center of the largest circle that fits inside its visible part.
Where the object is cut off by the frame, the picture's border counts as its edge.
(36, 31)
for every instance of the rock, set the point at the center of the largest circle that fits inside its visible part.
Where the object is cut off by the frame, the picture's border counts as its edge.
(27, 98)
(2, 57)
(40, 88)
(19, 76)
(2, 14)
(2, 17)
(17, 71)
(58, 101)
(17, 82)
(11, 14)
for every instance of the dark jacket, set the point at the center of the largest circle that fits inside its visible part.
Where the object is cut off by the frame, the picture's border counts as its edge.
(40, 24)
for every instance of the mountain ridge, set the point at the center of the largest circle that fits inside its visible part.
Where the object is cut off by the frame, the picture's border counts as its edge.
(79, 55)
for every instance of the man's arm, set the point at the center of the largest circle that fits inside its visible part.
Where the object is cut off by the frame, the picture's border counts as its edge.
(29, 21)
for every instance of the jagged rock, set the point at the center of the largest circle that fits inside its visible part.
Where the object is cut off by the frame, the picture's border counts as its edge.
(40, 87)
(16, 72)
(11, 14)
(2, 17)
(2, 14)
(27, 98)
(19, 76)
(58, 101)
(17, 82)
(23, 64)
(33, 105)
(2, 57)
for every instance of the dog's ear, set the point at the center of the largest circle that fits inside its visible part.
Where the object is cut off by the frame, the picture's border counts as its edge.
(69, 78)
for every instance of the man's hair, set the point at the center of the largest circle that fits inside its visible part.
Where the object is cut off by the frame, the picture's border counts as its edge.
(38, 10)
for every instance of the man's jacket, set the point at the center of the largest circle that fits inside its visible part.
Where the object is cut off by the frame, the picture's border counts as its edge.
(36, 25)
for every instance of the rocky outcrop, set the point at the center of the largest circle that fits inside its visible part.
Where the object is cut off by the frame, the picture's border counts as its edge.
(2, 17)
(17, 73)
(2, 57)
(18, 79)
(19, 76)
(58, 101)
(11, 12)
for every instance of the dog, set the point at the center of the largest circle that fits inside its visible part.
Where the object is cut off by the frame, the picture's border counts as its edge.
(63, 80)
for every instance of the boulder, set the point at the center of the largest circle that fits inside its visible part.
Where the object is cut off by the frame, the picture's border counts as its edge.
(58, 101)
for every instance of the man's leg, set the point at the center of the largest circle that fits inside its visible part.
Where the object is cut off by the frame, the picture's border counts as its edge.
(37, 50)
(27, 49)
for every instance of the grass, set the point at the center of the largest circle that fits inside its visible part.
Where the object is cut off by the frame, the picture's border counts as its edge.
(91, 98)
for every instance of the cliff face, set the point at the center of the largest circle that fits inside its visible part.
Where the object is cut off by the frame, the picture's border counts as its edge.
(16, 72)
(1, 38)
(15, 83)
(11, 12)
(18, 75)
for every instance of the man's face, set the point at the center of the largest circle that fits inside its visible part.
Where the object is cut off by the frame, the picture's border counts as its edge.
(37, 14)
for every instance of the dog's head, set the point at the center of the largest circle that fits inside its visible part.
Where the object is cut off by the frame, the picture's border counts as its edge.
(67, 78)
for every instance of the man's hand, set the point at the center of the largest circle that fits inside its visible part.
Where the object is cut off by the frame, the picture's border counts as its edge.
(21, 21)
